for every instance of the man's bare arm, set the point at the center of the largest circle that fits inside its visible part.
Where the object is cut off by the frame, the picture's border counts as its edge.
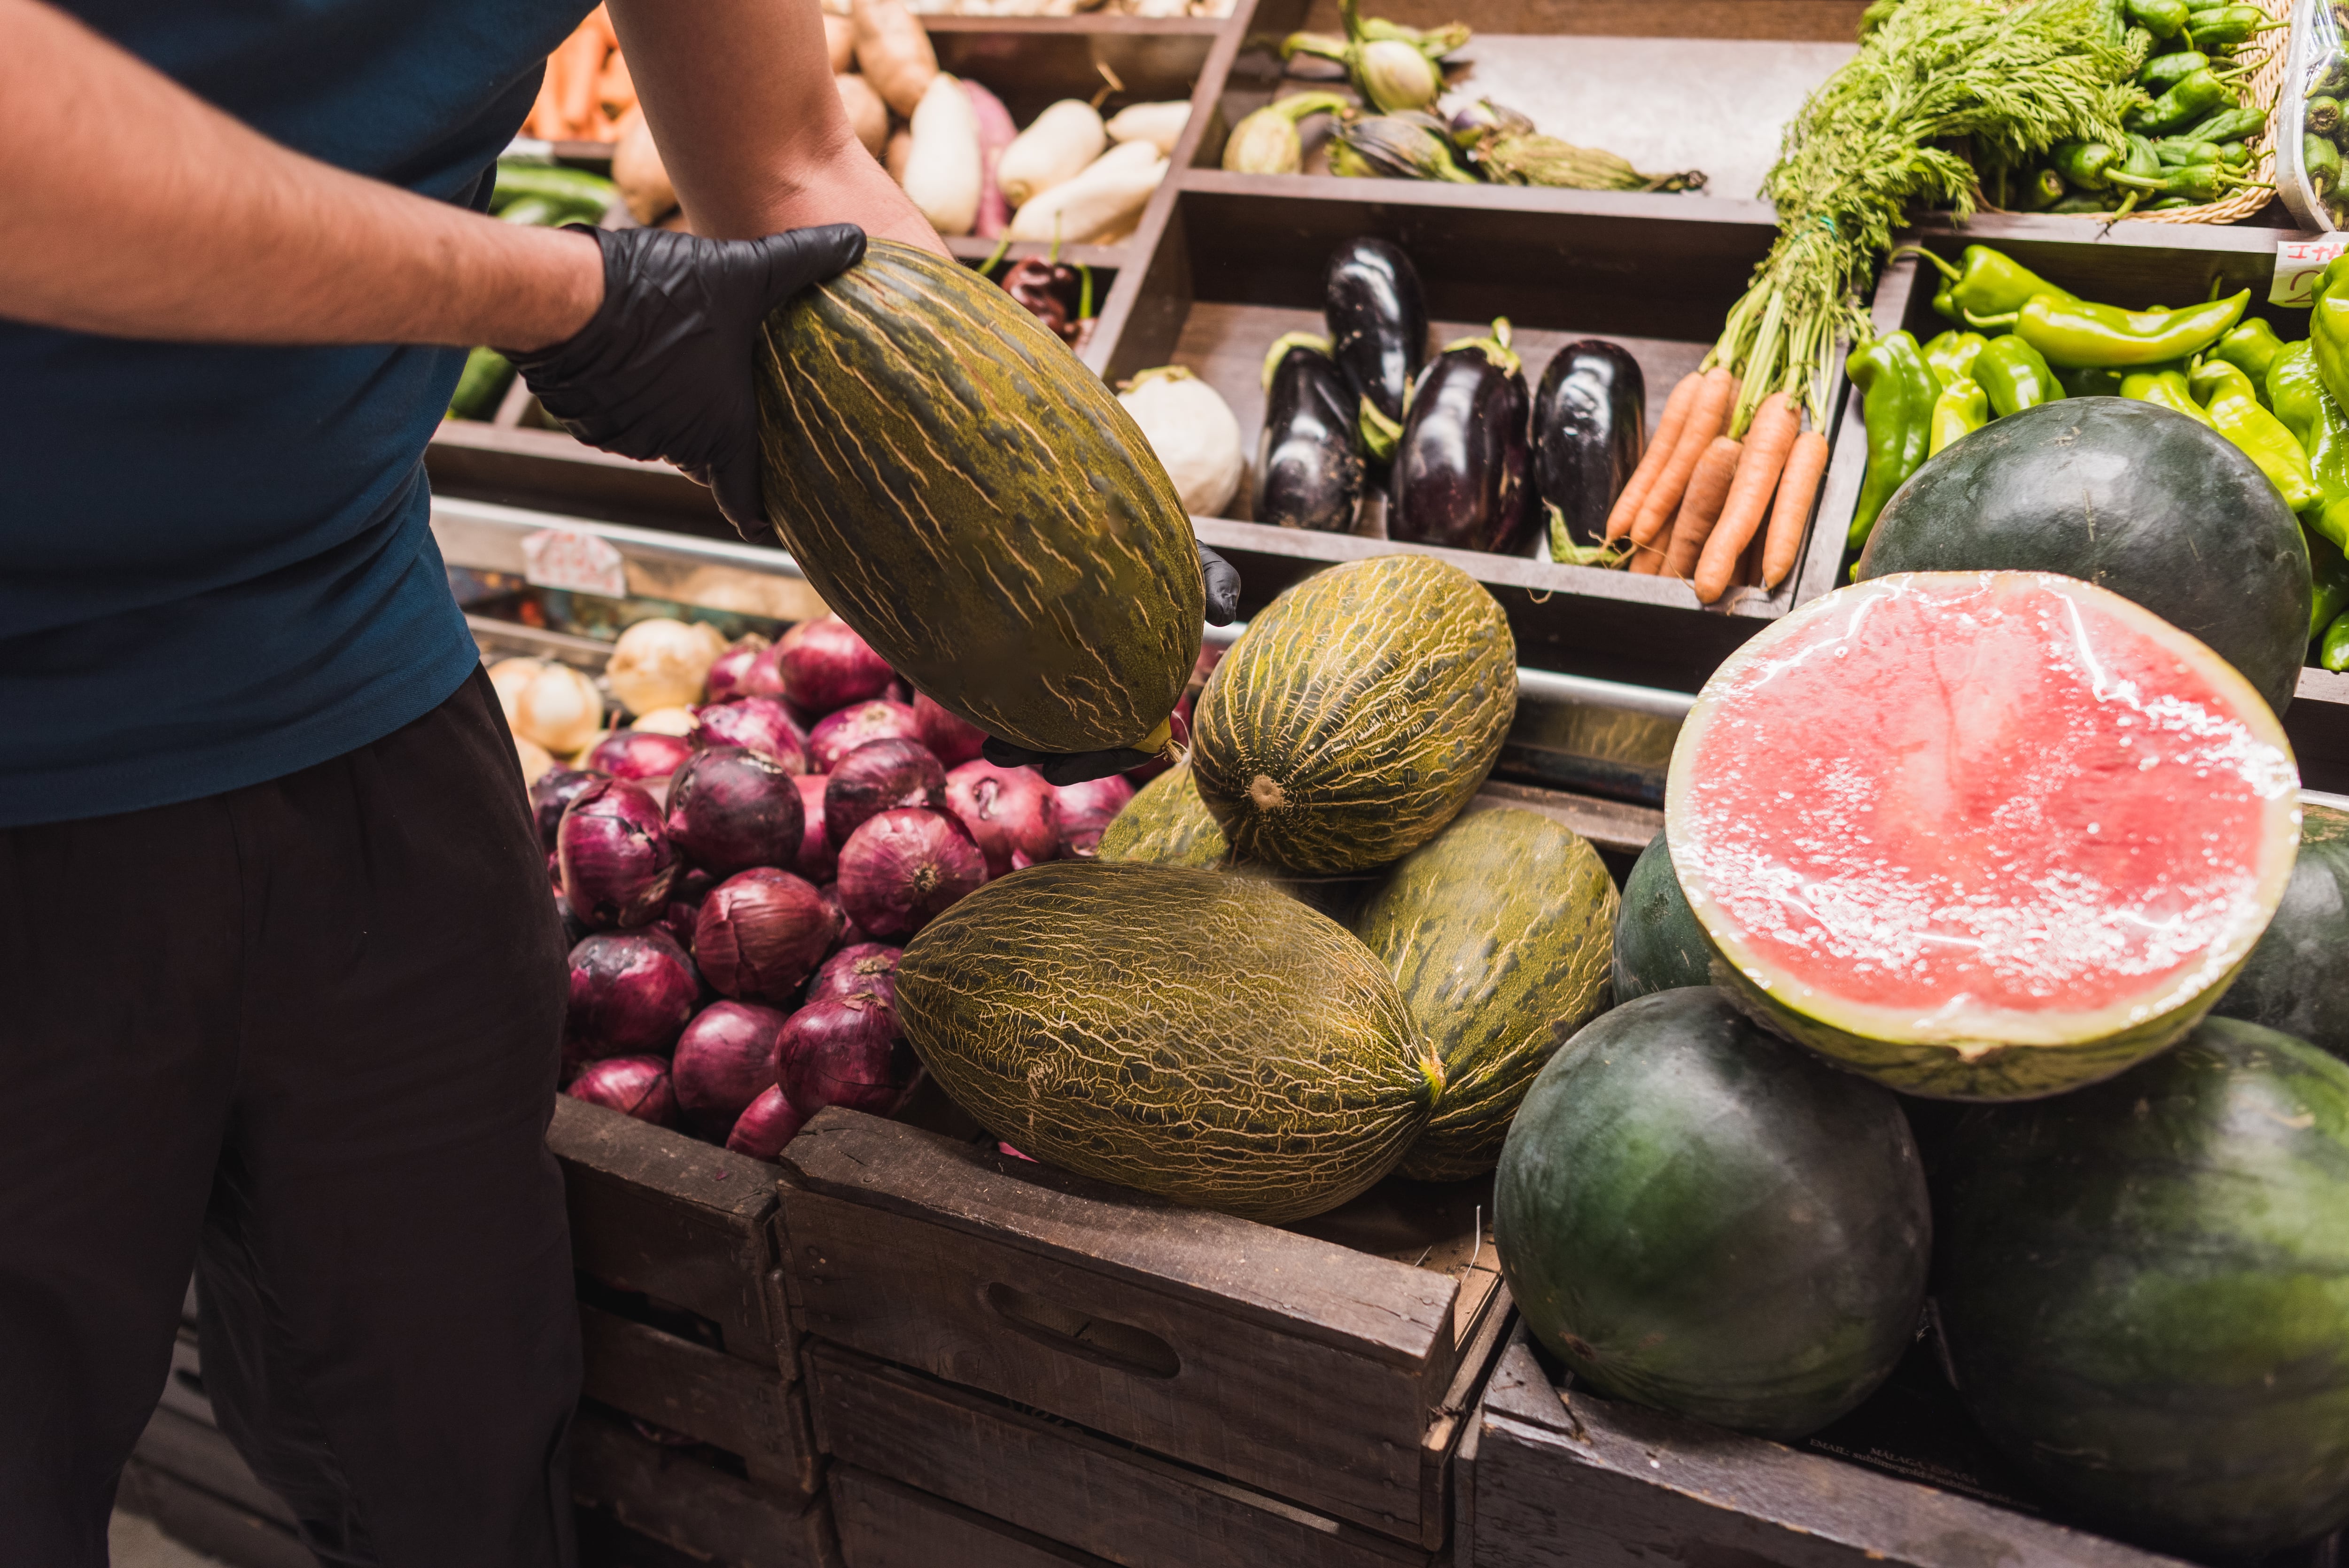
(740, 97)
(130, 207)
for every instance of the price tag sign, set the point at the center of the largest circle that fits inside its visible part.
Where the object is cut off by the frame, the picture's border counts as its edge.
(575, 563)
(2299, 264)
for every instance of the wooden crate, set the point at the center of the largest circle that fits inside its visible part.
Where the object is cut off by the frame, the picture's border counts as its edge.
(2132, 265)
(682, 1499)
(886, 1524)
(1315, 1365)
(1554, 1477)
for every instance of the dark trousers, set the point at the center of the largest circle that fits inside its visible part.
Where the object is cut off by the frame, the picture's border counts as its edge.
(301, 1037)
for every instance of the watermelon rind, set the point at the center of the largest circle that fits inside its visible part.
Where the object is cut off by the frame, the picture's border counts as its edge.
(1498, 932)
(1659, 946)
(1963, 1050)
(2297, 978)
(1357, 716)
(977, 503)
(1698, 1216)
(1198, 1035)
(2144, 1290)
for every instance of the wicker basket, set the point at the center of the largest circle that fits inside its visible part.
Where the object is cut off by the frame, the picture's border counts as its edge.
(2266, 82)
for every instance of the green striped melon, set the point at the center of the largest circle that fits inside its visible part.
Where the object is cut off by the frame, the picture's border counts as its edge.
(1165, 824)
(1498, 932)
(1196, 1036)
(976, 503)
(1357, 716)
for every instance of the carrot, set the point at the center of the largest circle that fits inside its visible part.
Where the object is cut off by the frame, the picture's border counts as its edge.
(1652, 461)
(1708, 412)
(1796, 490)
(1768, 439)
(582, 55)
(1708, 489)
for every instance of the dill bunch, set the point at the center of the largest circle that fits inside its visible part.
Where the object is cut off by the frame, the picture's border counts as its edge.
(1873, 139)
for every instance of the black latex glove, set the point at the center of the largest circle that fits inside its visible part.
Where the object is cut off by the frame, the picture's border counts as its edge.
(1076, 767)
(663, 369)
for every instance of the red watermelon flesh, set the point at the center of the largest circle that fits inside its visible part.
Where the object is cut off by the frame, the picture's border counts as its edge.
(1981, 834)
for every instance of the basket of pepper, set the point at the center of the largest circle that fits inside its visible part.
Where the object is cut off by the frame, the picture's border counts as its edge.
(2200, 150)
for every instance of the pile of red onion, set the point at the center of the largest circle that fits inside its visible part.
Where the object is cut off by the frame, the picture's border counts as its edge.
(735, 895)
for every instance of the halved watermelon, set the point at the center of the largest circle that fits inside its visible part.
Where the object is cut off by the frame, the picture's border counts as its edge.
(1980, 835)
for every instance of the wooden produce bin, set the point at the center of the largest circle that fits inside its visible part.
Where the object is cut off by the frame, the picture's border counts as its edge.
(1042, 1358)
(2135, 265)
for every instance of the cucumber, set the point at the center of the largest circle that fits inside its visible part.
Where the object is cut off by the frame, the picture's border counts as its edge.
(482, 386)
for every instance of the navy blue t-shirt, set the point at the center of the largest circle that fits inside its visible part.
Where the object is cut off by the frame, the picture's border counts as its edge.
(215, 563)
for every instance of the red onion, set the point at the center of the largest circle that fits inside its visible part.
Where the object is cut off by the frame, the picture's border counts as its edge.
(826, 665)
(575, 930)
(850, 936)
(1085, 809)
(761, 934)
(766, 1126)
(865, 966)
(638, 754)
(726, 1055)
(684, 908)
(844, 1051)
(741, 672)
(818, 860)
(731, 809)
(877, 777)
(618, 861)
(1013, 814)
(556, 787)
(904, 867)
(633, 1086)
(951, 739)
(631, 992)
(759, 724)
(851, 728)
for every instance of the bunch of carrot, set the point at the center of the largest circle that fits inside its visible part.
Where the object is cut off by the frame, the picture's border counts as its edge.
(1698, 499)
(586, 95)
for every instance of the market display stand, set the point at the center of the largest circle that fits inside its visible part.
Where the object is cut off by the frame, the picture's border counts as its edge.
(1038, 1365)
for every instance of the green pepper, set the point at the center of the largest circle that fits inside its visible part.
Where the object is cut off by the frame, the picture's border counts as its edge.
(2086, 201)
(1960, 410)
(2296, 391)
(2226, 25)
(1897, 392)
(2074, 332)
(2329, 569)
(2333, 653)
(2331, 78)
(2097, 166)
(2228, 125)
(2166, 388)
(2322, 161)
(1986, 282)
(2089, 381)
(2046, 189)
(2252, 346)
(2175, 150)
(1950, 356)
(2193, 97)
(2015, 377)
(2232, 406)
(2328, 329)
(2322, 114)
(2166, 71)
(2234, 153)
(2162, 18)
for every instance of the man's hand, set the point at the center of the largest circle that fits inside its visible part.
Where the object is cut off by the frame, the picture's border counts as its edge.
(1223, 585)
(664, 367)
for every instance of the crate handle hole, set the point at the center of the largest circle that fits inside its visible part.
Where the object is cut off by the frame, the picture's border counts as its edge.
(1118, 1345)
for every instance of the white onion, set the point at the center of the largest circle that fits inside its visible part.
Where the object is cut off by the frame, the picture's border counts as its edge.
(662, 662)
(1194, 433)
(535, 762)
(509, 676)
(560, 709)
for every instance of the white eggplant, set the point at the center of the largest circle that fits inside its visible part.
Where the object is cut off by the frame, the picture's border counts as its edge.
(1055, 148)
(1104, 202)
(1194, 432)
(1159, 124)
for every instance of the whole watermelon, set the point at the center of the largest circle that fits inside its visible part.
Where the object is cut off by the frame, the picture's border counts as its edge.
(2297, 978)
(2145, 1290)
(1699, 1216)
(2135, 498)
(1497, 934)
(1195, 1035)
(1357, 716)
(978, 505)
(1659, 944)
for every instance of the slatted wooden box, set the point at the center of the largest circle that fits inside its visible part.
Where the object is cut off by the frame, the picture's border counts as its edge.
(998, 1330)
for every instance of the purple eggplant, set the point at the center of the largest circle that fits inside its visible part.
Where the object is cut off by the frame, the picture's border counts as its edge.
(1463, 472)
(1370, 298)
(1307, 473)
(1589, 428)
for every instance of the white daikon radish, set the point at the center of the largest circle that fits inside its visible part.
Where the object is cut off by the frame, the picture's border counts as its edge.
(1103, 200)
(943, 175)
(868, 117)
(840, 37)
(1194, 432)
(1158, 124)
(1056, 146)
(638, 171)
(894, 53)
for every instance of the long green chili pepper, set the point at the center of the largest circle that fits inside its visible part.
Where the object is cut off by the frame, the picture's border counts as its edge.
(2228, 125)
(2194, 96)
(2167, 389)
(1960, 410)
(2097, 166)
(2015, 377)
(2228, 26)
(1950, 356)
(2295, 389)
(2162, 18)
(2165, 71)
(2321, 159)
(2074, 332)
(1897, 395)
(2329, 570)
(2333, 653)
(2253, 348)
(1985, 282)
(2232, 406)
(2089, 381)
